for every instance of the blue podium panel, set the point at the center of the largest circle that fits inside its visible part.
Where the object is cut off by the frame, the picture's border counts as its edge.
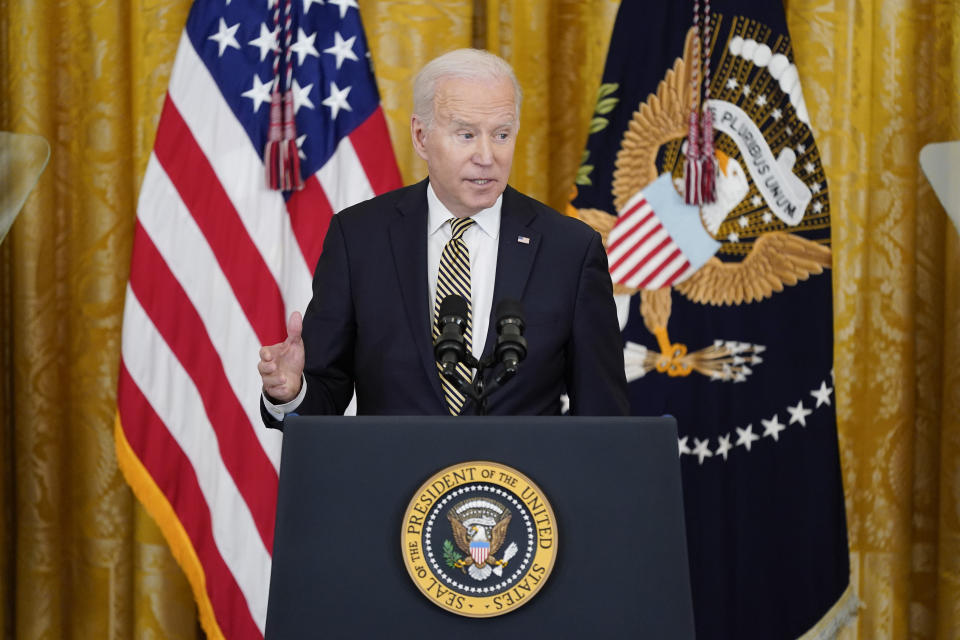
(614, 483)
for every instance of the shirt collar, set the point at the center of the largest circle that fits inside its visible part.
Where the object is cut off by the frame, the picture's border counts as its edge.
(437, 214)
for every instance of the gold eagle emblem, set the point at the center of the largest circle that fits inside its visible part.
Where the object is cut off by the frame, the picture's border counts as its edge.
(772, 256)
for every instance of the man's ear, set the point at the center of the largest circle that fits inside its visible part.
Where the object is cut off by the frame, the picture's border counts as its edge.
(418, 133)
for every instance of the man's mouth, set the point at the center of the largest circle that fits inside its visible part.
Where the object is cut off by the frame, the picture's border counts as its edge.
(480, 181)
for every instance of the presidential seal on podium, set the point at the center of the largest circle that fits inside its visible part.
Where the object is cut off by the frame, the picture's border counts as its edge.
(479, 539)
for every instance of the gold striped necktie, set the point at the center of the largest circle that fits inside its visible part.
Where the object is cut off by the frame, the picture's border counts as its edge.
(453, 277)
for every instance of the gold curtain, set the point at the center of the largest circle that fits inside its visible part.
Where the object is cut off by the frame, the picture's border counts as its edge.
(78, 557)
(882, 79)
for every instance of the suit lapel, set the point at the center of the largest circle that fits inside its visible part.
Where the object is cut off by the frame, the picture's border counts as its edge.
(408, 239)
(515, 254)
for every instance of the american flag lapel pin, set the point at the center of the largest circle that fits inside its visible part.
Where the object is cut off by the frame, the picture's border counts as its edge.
(523, 239)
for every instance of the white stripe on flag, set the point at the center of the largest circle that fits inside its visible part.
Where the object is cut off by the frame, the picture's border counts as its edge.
(629, 243)
(173, 230)
(228, 149)
(666, 274)
(639, 252)
(628, 221)
(653, 263)
(343, 178)
(171, 393)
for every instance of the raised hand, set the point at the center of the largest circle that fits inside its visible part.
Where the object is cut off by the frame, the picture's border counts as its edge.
(281, 364)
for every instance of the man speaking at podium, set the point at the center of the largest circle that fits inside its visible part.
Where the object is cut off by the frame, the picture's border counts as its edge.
(389, 262)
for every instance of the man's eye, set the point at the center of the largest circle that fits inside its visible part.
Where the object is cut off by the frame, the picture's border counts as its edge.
(466, 136)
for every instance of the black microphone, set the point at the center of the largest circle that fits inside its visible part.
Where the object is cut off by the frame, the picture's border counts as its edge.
(511, 345)
(450, 348)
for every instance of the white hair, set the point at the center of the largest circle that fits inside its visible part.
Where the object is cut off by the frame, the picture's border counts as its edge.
(472, 64)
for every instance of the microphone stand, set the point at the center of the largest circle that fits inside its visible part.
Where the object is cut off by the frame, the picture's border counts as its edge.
(477, 390)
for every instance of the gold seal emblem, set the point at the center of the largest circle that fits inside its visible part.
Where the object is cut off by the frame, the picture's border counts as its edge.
(479, 539)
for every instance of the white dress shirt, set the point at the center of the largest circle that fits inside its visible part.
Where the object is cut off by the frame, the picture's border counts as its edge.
(482, 241)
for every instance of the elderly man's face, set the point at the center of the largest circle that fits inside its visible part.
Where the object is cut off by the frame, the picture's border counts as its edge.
(469, 148)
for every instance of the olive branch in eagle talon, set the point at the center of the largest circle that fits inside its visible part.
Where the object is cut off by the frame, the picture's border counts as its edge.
(450, 557)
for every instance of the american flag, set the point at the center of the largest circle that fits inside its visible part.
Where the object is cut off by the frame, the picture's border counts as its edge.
(219, 261)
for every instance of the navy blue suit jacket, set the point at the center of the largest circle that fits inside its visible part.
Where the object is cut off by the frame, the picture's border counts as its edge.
(368, 323)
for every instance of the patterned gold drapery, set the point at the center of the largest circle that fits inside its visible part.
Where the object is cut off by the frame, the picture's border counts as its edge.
(882, 78)
(78, 557)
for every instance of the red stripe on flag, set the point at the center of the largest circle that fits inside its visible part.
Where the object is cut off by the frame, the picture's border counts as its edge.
(163, 458)
(371, 141)
(662, 266)
(310, 215)
(636, 244)
(195, 180)
(645, 260)
(170, 310)
(624, 220)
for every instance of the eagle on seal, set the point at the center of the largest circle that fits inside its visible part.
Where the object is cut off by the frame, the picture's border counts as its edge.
(479, 530)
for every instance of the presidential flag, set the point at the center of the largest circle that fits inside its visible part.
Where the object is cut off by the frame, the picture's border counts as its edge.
(704, 177)
(221, 257)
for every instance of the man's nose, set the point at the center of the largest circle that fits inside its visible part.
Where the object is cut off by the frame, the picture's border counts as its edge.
(483, 152)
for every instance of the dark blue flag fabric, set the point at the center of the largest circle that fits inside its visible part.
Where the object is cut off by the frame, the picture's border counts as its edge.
(726, 308)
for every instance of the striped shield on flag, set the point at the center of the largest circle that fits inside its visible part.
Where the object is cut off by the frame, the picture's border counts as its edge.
(479, 550)
(657, 241)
